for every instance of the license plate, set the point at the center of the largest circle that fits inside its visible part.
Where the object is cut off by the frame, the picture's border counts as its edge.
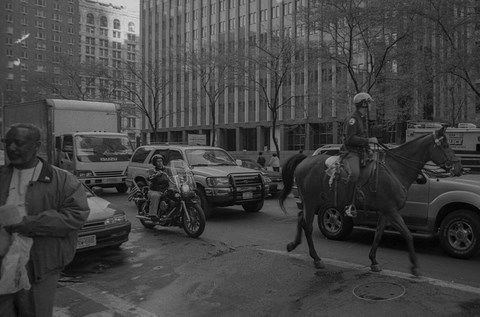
(247, 195)
(86, 241)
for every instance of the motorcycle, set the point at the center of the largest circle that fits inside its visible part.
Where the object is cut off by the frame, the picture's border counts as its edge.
(180, 201)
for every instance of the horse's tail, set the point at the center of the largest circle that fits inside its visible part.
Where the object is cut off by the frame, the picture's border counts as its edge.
(288, 170)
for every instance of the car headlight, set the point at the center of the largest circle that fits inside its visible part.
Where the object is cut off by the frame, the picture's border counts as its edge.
(117, 218)
(84, 174)
(218, 181)
(267, 179)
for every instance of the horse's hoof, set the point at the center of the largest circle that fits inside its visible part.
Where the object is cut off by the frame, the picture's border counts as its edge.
(319, 264)
(291, 246)
(375, 268)
(415, 272)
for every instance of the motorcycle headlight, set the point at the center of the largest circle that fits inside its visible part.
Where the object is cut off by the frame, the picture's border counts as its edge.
(115, 219)
(218, 181)
(185, 188)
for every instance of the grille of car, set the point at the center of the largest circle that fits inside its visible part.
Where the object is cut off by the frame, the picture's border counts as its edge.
(94, 225)
(247, 180)
(109, 173)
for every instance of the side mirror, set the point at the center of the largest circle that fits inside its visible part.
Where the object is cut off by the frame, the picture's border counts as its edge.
(97, 190)
(239, 162)
(421, 179)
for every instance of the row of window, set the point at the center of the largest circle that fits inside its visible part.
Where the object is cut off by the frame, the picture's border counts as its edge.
(104, 22)
(39, 12)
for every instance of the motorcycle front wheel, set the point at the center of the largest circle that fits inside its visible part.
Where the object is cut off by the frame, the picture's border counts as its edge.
(195, 223)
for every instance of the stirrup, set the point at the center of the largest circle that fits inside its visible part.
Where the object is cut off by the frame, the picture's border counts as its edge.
(351, 211)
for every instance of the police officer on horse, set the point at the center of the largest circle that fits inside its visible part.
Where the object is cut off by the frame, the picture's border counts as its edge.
(356, 142)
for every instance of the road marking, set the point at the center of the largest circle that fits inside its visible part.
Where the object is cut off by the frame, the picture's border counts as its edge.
(110, 301)
(402, 275)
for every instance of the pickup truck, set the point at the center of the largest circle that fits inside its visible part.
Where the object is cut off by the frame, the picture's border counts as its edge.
(220, 180)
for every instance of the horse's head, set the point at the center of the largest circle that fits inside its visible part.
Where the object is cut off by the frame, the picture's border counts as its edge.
(442, 155)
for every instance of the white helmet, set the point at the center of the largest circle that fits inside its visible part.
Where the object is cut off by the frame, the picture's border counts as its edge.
(362, 96)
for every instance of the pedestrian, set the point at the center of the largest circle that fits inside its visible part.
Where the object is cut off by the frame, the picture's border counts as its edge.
(261, 159)
(53, 206)
(300, 151)
(274, 162)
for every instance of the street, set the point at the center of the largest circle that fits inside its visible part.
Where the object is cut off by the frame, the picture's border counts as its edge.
(239, 267)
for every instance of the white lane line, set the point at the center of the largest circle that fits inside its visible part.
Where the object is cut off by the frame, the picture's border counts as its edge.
(110, 301)
(405, 276)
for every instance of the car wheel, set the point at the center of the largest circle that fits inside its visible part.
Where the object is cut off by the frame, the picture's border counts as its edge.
(206, 206)
(460, 234)
(121, 188)
(333, 224)
(255, 206)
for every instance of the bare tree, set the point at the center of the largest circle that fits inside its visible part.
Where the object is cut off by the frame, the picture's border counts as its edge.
(147, 89)
(266, 67)
(211, 67)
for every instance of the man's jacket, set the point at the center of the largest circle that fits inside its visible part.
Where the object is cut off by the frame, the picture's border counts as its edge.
(356, 138)
(56, 206)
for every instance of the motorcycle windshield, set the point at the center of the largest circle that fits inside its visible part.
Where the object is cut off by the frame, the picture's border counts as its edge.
(181, 174)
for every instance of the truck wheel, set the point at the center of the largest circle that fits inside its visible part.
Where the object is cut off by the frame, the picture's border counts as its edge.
(333, 224)
(255, 206)
(206, 206)
(121, 188)
(460, 234)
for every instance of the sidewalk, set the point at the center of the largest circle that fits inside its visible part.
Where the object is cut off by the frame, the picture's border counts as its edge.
(247, 281)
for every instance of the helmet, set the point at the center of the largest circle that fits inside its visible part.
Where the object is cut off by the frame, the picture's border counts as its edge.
(362, 96)
(156, 157)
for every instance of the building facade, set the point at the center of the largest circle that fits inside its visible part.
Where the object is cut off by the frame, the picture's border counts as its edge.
(34, 36)
(109, 37)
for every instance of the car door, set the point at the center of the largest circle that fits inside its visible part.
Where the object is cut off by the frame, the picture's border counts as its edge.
(415, 212)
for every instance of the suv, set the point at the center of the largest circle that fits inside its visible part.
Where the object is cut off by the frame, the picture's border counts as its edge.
(443, 206)
(220, 181)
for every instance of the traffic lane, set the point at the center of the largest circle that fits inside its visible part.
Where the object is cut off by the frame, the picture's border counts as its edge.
(272, 229)
(165, 273)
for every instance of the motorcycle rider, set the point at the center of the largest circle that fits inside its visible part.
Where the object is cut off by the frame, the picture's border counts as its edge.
(159, 183)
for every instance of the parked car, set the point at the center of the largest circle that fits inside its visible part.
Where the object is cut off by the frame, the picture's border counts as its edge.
(276, 183)
(220, 181)
(441, 206)
(106, 226)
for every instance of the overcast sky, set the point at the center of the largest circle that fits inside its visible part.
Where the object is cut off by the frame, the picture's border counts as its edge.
(131, 5)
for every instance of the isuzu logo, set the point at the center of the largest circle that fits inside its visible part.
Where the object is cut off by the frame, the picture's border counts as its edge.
(108, 159)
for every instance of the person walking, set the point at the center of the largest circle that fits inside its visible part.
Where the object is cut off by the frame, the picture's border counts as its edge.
(52, 205)
(261, 159)
(274, 162)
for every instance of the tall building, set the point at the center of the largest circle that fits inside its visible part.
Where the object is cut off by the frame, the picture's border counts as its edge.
(34, 36)
(109, 37)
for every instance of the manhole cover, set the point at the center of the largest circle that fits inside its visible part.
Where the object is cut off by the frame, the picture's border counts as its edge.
(379, 291)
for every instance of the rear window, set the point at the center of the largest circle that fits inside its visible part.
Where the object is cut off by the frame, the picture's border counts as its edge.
(140, 155)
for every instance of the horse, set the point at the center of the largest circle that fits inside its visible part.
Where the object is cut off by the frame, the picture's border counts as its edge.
(394, 176)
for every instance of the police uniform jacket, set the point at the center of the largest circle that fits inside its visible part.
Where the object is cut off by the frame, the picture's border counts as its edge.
(356, 138)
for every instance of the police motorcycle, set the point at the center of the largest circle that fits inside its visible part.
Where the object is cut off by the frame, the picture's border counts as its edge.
(179, 206)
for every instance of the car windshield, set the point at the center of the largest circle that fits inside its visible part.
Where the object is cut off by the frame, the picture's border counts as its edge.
(208, 157)
(250, 164)
(103, 148)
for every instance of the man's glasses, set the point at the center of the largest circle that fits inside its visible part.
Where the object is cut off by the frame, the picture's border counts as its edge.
(9, 142)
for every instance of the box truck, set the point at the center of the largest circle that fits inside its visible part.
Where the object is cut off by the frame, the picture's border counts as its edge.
(79, 136)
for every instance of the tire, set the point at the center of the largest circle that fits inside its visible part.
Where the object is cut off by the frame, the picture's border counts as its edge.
(121, 188)
(145, 223)
(206, 206)
(460, 234)
(195, 227)
(333, 224)
(255, 206)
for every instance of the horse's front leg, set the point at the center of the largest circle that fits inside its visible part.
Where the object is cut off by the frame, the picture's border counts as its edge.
(398, 222)
(298, 237)
(376, 241)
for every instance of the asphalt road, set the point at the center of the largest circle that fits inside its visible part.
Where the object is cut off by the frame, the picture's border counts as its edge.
(239, 267)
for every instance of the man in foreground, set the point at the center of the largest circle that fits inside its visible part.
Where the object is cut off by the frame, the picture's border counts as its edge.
(52, 206)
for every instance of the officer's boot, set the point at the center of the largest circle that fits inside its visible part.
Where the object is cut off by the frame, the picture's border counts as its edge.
(351, 210)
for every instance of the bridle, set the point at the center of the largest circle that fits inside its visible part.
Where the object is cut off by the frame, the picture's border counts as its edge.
(449, 162)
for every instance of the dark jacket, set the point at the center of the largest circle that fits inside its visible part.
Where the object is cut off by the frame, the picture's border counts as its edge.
(56, 206)
(159, 180)
(356, 138)
(261, 160)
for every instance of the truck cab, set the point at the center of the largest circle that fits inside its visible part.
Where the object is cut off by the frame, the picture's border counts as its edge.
(96, 158)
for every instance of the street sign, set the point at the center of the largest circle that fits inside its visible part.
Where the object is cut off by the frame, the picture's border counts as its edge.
(197, 139)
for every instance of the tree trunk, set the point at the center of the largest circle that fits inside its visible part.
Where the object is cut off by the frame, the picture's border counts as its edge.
(212, 112)
(274, 136)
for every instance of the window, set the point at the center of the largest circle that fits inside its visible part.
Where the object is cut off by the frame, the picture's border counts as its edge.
(103, 43)
(9, 18)
(41, 46)
(90, 29)
(57, 17)
(117, 54)
(40, 13)
(140, 155)
(8, 6)
(57, 38)
(131, 27)
(103, 32)
(131, 37)
(295, 137)
(253, 17)
(117, 45)
(23, 20)
(40, 3)
(57, 27)
(321, 133)
(116, 34)
(90, 19)
(56, 6)
(40, 24)
(131, 47)
(103, 22)
(116, 24)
